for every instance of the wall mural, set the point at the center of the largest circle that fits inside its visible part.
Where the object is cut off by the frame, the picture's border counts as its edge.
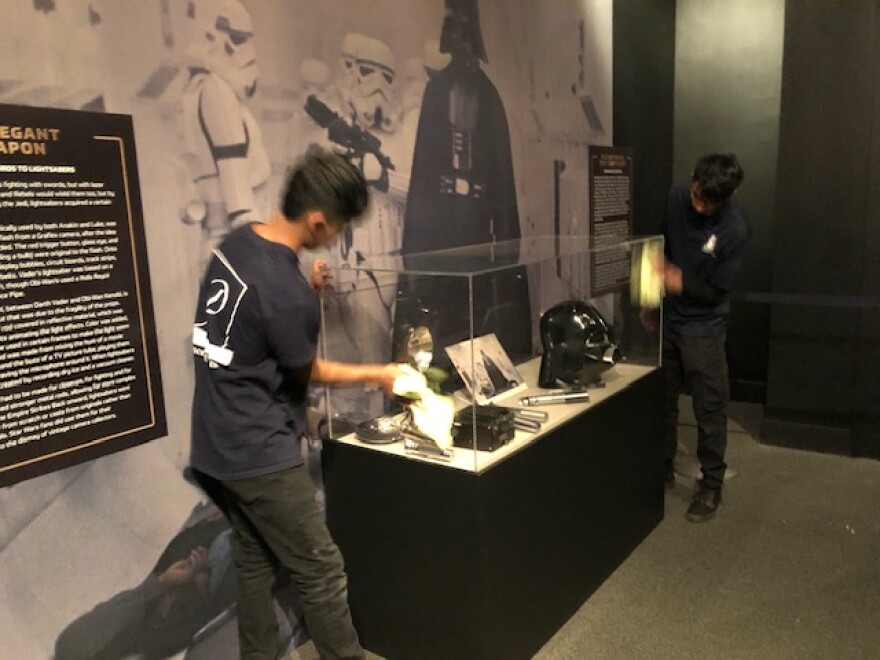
(458, 112)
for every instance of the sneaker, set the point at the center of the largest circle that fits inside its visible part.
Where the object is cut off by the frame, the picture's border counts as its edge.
(705, 504)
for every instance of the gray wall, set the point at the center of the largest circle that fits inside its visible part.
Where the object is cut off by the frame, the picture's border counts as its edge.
(728, 64)
(133, 56)
(824, 369)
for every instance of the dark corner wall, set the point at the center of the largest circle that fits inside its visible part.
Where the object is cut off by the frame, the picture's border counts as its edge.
(692, 77)
(644, 74)
(728, 66)
(823, 384)
(793, 88)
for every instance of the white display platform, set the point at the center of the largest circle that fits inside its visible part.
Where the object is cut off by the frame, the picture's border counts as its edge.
(616, 379)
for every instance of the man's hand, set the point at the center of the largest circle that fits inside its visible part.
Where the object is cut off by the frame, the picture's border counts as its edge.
(672, 278)
(320, 276)
(388, 374)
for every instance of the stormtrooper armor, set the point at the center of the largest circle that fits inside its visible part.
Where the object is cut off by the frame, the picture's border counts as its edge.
(578, 345)
(359, 308)
(224, 149)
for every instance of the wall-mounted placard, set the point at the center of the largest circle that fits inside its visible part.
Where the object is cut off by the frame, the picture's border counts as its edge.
(79, 370)
(611, 193)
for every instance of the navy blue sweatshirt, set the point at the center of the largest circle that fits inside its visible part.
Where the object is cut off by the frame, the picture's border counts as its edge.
(709, 250)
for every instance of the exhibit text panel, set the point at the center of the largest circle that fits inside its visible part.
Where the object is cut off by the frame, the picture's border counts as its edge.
(79, 374)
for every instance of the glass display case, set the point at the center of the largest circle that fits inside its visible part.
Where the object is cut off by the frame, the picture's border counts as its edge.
(514, 338)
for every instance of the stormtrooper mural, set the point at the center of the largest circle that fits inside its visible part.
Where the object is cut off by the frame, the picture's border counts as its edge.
(224, 153)
(217, 90)
(362, 119)
(373, 95)
(372, 109)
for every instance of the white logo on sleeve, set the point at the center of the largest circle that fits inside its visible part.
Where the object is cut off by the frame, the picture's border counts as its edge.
(709, 246)
(213, 327)
(218, 300)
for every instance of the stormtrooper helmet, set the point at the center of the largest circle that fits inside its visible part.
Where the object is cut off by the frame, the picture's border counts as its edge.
(578, 345)
(347, 56)
(228, 35)
(373, 94)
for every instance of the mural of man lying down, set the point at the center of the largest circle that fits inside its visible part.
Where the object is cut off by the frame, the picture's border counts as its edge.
(185, 606)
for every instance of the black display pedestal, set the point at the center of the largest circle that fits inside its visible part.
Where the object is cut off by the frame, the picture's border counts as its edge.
(444, 563)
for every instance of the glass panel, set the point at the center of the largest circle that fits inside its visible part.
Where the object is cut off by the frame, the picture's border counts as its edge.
(507, 321)
(475, 259)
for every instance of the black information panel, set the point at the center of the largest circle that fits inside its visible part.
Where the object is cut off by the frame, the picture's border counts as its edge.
(79, 370)
(611, 192)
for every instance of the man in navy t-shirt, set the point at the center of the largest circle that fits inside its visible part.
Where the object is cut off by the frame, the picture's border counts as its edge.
(706, 234)
(254, 341)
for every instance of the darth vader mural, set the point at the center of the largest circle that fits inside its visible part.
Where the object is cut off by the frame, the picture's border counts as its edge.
(224, 96)
(462, 192)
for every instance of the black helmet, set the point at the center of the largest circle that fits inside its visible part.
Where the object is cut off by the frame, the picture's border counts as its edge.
(461, 27)
(578, 345)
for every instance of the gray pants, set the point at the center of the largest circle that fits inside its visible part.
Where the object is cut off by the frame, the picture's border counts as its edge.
(277, 523)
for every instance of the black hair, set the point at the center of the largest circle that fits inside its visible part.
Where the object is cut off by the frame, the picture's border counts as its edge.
(325, 181)
(718, 176)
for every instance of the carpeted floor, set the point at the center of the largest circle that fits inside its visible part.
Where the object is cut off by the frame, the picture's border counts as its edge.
(789, 568)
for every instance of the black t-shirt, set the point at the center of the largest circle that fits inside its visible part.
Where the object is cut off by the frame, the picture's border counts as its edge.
(257, 321)
(709, 250)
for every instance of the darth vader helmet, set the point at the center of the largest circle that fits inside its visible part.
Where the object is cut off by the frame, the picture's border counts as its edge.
(578, 345)
(461, 32)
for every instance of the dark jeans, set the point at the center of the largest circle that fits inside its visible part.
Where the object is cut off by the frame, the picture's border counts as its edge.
(276, 522)
(700, 363)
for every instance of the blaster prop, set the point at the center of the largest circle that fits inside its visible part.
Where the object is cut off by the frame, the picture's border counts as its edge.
(356, 141)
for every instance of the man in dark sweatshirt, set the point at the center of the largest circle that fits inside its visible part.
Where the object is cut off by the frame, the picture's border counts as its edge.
(706, 233)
